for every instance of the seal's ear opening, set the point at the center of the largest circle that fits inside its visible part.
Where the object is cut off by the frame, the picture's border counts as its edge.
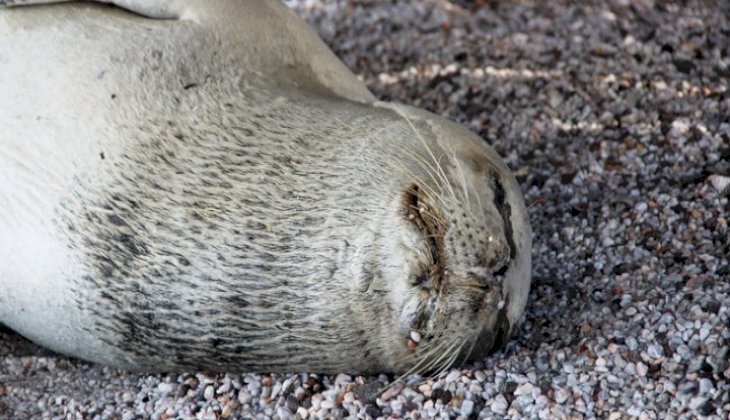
(420, 210)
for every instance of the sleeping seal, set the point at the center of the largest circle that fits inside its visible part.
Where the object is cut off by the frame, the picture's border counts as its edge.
(203, 185)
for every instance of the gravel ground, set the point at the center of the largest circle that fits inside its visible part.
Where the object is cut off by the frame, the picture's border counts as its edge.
(616, 119)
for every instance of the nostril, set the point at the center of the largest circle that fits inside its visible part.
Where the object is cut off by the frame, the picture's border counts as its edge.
(503, 269)
(498, 257)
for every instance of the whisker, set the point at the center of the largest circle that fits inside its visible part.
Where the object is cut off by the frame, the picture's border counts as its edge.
(468, 354)
(444, 356)
(430, 170)
(449, 362)
(441, 172)
(463, 180)
(414, 369)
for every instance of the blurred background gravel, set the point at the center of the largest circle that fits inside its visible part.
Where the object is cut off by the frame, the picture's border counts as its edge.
(615, 118)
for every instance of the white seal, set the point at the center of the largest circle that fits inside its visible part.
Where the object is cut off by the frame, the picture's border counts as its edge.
(197, 184)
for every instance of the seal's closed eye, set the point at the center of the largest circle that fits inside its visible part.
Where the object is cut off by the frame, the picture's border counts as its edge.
(432, 225)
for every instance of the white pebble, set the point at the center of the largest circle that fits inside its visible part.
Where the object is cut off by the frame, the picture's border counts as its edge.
(719, 182)
(704, 332)
(165, 388)
(223, 389)
(283, 414)
(349, 398)
(467, 406)
(453, 376)
(275, 390)
(425, 389)
(209, 392)
(244, 397)
(706, 386)
(416, 336)
(499, 405)
(343, 379)
(654, 351)
(697, 402)
(562, 395)
(524, 389)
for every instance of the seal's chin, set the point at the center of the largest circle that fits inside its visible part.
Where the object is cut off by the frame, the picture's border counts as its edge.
(491, 339)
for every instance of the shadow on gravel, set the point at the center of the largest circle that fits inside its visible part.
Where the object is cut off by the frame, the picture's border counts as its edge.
(14, 345)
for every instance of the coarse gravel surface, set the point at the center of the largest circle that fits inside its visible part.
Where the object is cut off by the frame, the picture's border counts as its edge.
(615, 117)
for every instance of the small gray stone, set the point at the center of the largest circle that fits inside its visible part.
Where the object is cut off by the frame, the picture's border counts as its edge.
(467, 406)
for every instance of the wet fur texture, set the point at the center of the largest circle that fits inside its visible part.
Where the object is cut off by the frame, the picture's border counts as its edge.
(210, 211)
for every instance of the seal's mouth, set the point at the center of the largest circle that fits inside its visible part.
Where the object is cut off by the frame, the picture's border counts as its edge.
(436, 351)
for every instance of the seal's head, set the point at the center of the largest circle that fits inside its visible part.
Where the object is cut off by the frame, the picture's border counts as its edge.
(461, 246)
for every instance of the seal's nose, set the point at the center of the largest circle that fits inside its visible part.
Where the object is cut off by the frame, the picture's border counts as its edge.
(497, 254)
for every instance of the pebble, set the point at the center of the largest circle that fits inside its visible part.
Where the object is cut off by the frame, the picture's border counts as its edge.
(654, 351)
(562, 395)
(524, 389)
(697, 402)
(209, 392)
(499, 405)
(425, 389)
(719, 182)
(453, 376)
(706, 386)
(467, 406)
(392, 391)
(343, 379)
(165, 388)
(244, 397)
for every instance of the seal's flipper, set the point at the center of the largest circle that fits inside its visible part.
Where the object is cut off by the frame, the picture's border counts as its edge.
(150, 9)
(283, 42)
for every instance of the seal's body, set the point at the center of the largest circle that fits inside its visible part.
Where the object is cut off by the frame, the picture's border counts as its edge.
(204, 185)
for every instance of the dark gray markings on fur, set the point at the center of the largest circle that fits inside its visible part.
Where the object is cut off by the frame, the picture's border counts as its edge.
(185, 267)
